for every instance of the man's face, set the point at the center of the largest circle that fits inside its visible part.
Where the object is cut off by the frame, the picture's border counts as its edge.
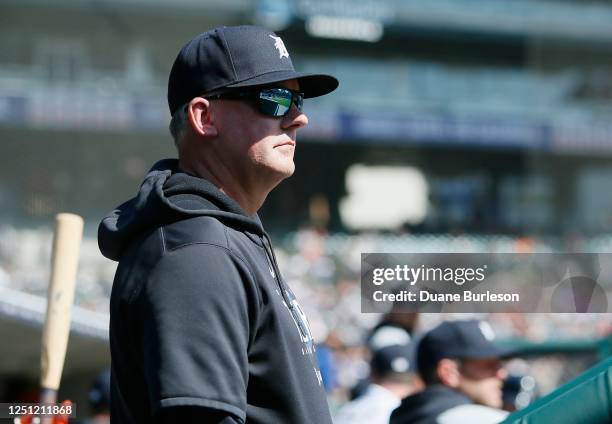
(257, 148)
(482, 380)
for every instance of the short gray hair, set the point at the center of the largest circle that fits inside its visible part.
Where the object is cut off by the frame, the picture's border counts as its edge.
(178, 123)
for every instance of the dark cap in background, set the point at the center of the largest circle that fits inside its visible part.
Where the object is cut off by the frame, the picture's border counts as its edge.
(393, 359)
(235, 57)
(458, 340)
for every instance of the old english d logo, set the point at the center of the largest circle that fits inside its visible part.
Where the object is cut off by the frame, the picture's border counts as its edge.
(280, 46)
(301, 322)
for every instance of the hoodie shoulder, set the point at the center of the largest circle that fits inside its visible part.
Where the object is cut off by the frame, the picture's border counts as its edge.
(166, 197)
(194, 230)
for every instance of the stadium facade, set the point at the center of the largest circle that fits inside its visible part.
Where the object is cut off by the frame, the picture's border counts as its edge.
(503, 107)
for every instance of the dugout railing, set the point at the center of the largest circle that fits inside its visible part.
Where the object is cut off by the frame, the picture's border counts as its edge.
(586, 399)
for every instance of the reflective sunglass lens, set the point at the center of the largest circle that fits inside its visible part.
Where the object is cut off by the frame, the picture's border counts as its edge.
(275, 101)
(299, 102)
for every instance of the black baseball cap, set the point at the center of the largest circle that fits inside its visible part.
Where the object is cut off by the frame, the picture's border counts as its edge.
(237, 57)
(393, 359)
(470, 339)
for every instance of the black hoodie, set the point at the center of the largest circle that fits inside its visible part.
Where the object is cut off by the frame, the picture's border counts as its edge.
(200, 315)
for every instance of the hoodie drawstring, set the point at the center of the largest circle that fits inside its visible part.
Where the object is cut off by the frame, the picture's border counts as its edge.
(274, 268)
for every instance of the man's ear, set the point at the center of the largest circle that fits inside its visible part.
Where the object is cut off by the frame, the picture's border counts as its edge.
(199, 113)
(448, 373)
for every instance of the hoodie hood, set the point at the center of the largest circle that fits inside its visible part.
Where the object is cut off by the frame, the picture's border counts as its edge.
(167, 195)
(424, 407)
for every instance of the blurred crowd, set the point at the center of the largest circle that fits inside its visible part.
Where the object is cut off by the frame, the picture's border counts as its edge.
(324, 271)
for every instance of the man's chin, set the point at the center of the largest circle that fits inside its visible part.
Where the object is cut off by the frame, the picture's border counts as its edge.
(281, 173)
(488, 399)
(289, 172)
(287, 169)
(494, 403)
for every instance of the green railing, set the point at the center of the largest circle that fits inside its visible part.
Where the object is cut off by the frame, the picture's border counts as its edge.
(587, 399)
(523, 348)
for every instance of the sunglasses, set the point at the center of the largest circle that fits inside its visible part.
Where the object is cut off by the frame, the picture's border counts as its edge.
(275, 102)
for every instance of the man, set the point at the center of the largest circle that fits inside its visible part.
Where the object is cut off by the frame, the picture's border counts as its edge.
(203, 327)
(461, 369)
(395, 327)
(99, 399)
(392, 378)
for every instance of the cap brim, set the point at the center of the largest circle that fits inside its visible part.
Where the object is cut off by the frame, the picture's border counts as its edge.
(492, 351)
(312, 85)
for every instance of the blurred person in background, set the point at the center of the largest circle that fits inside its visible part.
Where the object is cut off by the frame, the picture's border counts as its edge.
(511, 391)
(99, 399)
(461, 369)
(395, 327)
(392, 378)
(203, 327)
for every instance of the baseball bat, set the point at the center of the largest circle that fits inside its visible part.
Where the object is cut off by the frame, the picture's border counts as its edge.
(64, 262)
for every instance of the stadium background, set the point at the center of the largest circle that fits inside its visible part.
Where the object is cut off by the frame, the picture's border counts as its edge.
(459, 125)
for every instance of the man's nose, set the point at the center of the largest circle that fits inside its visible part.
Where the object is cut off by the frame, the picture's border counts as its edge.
(295, 118)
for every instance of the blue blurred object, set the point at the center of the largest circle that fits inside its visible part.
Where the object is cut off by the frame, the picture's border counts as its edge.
(327, 365)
